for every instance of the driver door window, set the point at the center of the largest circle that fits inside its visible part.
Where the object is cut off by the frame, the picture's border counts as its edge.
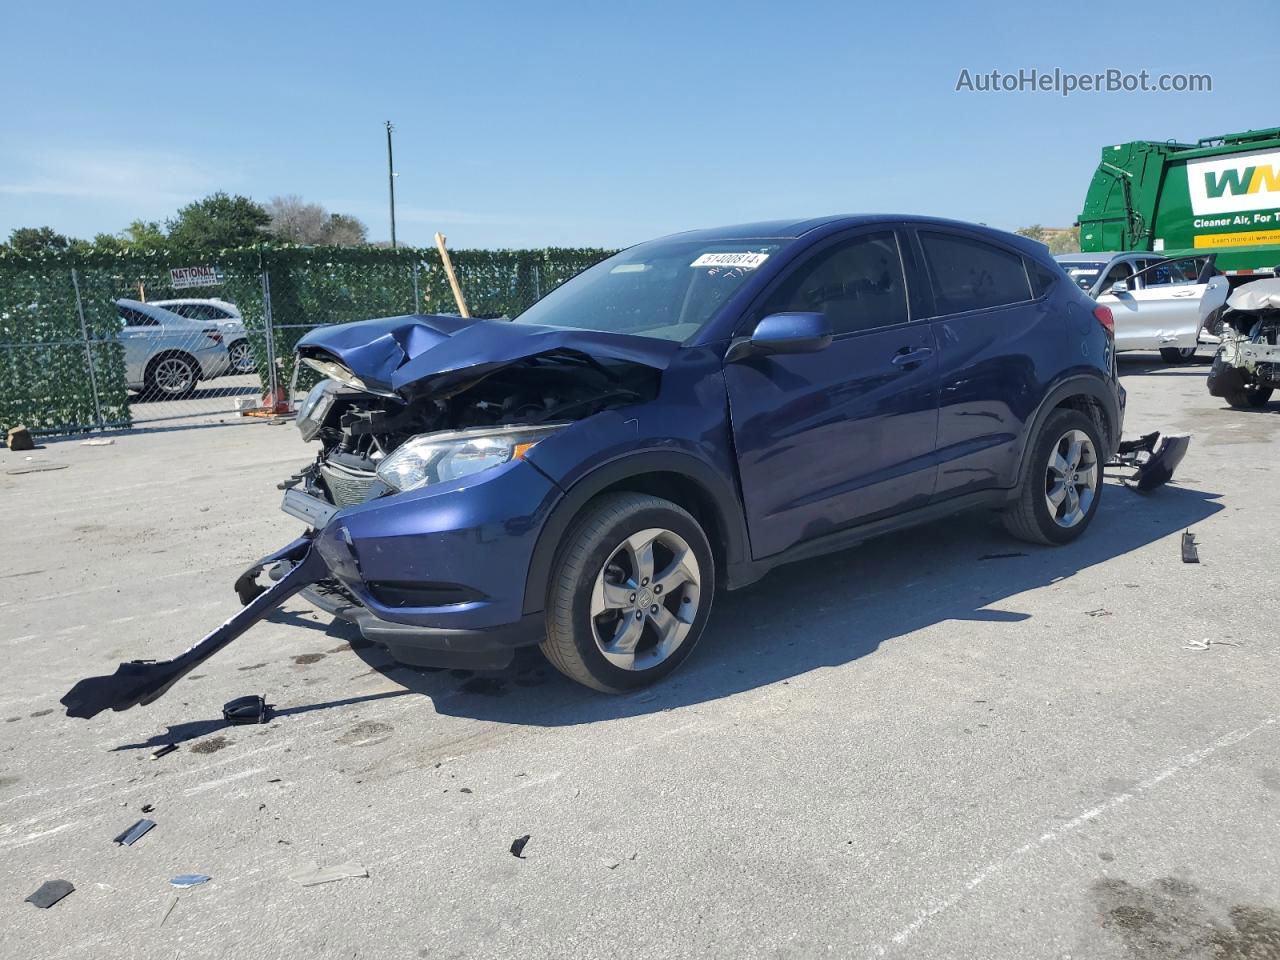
(857, 285)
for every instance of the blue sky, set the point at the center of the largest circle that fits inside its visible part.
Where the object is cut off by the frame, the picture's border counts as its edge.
(596, 123)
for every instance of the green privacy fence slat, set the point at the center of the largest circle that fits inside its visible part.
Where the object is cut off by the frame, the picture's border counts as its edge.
(45, 357)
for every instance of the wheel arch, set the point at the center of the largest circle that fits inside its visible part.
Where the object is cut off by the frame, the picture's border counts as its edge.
(681, 478)
(1091, 395)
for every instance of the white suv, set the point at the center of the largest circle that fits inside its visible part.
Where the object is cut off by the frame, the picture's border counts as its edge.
(227, 316)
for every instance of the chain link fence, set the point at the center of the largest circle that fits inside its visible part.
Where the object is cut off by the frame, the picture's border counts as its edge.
(100, 341)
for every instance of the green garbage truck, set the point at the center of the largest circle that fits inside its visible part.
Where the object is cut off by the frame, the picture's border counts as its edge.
(1219, 195)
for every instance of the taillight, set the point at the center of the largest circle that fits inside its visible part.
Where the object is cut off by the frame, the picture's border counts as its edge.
(213, 334)
(1106, 318)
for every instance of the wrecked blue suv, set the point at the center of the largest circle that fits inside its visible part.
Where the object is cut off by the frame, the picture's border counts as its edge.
(676, 421)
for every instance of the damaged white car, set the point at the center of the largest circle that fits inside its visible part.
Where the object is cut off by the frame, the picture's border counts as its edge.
(1158, 304)
(1246, 368)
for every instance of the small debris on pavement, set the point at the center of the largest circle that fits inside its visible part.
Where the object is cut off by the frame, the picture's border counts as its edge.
(170, 902)
(1100, 612)
(610, 863)
(147, 807)
(167, 749)
(517, 846)
(184, 880)
(313, 874)
(465, 790)
(1000, 556)
(50, 892)
(99, 442)
(1190, 552)
(135, 833)
(245, 710)
(1206, 643)
(19, 438)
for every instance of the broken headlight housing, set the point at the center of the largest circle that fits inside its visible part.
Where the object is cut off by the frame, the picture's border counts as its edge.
(438, 457)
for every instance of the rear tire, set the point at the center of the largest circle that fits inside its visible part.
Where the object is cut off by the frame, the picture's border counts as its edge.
(629, 594)
(1177, 354)
(1252, 398)
(171, 376)
(1062, 486)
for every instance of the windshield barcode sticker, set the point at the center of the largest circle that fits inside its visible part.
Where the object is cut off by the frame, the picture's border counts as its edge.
(747, 261)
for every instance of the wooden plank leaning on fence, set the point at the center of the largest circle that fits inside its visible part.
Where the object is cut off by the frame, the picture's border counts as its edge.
(453, 277)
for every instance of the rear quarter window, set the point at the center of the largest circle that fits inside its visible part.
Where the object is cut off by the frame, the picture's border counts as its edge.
(1043, 277)
(970, 274)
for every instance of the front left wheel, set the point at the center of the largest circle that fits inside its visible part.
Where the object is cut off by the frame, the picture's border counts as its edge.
(1177, 354)
(629, 594)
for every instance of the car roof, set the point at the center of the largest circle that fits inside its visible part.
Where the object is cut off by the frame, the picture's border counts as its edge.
(794, 229)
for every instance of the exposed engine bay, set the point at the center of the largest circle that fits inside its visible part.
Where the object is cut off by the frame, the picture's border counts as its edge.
(359, 429)
(1246, 368)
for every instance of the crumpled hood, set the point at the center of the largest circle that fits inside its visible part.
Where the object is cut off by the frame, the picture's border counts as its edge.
(1256, 296)
(418, 354)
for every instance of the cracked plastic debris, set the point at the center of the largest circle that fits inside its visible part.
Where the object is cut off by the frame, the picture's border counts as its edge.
(1190, 551)
(167, 749)
(49, 893)
(135, 833)
(246, 710)
(184, 880)
(517, 846)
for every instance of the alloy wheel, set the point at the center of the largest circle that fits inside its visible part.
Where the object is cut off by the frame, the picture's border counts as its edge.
(241, 357)
(174, 376)
(1071, 478)
(645, 598)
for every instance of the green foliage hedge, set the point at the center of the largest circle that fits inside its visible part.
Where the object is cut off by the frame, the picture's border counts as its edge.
(44, 365)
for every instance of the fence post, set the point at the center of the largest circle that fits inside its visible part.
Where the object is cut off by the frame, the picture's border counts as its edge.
(417, 302)
(88, 351)
(537, 284)
(269, 326)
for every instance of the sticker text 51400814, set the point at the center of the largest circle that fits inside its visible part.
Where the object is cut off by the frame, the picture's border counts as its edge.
(746, 261)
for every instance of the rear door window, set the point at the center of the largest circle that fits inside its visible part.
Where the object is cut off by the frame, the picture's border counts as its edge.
(970, 274)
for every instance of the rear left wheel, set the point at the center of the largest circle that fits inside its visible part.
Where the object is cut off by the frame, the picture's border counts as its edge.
(1062, 487)
(241, 357)
(630, 593)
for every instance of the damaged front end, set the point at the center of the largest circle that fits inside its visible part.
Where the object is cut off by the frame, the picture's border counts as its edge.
(1246, 368)
(412, 411)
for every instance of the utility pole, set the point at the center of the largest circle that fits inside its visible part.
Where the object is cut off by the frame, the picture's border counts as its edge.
(391, 185)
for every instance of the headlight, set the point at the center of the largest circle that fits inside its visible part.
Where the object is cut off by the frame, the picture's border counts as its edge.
(336, 371)
(314, 410)
(437, 457)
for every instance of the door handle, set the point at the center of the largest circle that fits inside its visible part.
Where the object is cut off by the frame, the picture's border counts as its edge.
(907, 358)
(1185, 293)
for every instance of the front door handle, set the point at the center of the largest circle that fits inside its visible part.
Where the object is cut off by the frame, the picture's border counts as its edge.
(1185, 293)
(907, 358)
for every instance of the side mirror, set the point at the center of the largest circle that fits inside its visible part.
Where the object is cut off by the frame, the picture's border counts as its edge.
(1119, 288)
(783, 333)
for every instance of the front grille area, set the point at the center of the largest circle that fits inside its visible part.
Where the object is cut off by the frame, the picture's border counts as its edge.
(347, 487)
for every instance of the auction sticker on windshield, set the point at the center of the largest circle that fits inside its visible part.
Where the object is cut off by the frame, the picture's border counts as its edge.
(747, 261)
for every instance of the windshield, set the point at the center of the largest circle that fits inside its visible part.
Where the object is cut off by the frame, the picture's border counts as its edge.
(666, 288)
(1084, 272)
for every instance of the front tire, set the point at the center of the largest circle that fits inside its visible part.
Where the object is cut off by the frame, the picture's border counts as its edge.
(1252, 398)
(1062, 487)
(1177, 354)
(629, 594)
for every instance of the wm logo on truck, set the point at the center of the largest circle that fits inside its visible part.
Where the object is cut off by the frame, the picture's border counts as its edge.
(1241, 182)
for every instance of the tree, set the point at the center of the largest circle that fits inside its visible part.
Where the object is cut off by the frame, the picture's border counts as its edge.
(344, 230)
(217, 222)
(30, 241)
(1057, 239)
(139, 235)
(295, 221)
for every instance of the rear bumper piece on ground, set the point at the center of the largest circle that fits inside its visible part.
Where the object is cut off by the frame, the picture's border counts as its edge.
(1153, 459)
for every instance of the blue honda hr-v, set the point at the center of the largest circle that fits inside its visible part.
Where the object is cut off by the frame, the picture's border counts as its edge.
(677, 420)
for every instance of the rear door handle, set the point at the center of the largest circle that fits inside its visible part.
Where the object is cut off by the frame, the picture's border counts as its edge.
(1185, 293)
(910, 358)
